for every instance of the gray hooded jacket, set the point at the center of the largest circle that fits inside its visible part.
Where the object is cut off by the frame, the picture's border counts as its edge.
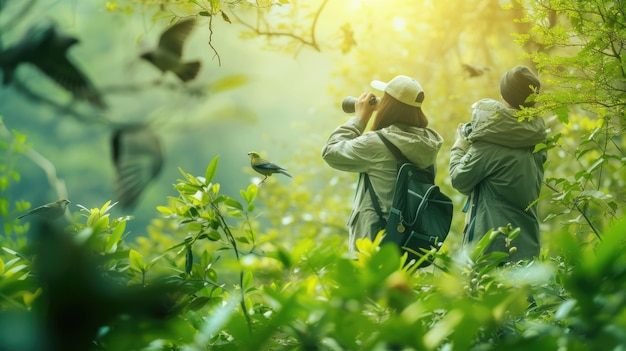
(502, 175)
(349, 149)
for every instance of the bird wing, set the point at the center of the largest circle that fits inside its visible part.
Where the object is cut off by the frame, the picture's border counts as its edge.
(68, 76)
(137, 158)
(266, 168)
(43, 210)
(172, 39)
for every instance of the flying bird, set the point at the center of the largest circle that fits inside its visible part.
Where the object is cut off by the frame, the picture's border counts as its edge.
(167, 55)
(265, 167)
(45, 47)
(137, 158)
(475, 70)
(49, 211)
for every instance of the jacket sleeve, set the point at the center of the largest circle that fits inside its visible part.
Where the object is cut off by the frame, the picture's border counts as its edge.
(347, 149)
(467, 169)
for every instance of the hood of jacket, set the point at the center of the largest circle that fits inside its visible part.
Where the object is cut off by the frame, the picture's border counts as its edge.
(419, 145)
(493, 122)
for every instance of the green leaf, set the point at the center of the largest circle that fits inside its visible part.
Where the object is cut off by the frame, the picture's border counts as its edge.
(10, 251)
(235, 214)
(136, 260)
(84, 235)
(596, 194)
(494, 257)
(539, 147)
(106, 207)
(229, 82)
(209, 174)
(211, 275)
(283, 256)
(564, 309)
(16, 269)
(101, 224)
(596, 165)
(115, 237)
(250, 194)
(198, 303)
(483, 243)
(247, 280)
(562, 113)
(165, 210)
(514, 233)
(213, 235)
(251, 207)
(446, 326)
(230, 202)
(214, 325)
(384, 261)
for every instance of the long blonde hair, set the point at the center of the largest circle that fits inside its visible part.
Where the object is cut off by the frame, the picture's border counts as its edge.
(392, 111)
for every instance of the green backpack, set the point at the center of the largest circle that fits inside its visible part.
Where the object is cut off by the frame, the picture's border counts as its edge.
(420, 215)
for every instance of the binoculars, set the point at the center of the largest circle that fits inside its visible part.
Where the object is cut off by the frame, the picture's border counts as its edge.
(348, 103)
(466, 129)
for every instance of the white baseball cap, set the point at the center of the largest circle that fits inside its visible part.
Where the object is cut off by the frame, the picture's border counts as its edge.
(402, 88)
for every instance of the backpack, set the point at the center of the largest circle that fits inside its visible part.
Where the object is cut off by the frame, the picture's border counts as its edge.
(420, 215)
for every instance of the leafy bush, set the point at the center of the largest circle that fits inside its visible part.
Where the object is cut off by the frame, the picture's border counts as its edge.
(580, 56)
(206, 278)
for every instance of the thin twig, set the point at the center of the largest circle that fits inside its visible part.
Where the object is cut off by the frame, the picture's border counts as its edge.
(58, 185)
(587, 219)
(307, 42)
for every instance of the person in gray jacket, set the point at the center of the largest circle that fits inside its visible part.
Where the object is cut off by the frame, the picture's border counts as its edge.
(495, 164)
(349, 148)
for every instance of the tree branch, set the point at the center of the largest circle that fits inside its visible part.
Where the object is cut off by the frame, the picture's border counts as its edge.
(312, 42)
(58, 185)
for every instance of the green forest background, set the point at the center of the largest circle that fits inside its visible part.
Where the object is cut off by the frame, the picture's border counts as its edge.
(261, 266)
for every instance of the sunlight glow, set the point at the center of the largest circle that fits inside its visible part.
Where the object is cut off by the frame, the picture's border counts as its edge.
(356, 4)
(398, 23)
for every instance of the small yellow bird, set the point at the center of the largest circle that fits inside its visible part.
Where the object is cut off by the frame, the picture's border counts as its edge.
(52, 210)
(265, 167)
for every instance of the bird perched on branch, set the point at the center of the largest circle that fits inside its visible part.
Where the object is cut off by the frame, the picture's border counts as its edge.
(49, 211)
(265, 167)
(45, 47)
(137, 157)
(167, 55)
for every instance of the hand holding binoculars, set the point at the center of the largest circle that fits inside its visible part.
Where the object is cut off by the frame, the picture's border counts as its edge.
(349, 102)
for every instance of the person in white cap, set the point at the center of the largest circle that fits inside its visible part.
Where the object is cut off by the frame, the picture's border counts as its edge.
(495, 164)
(400, 119)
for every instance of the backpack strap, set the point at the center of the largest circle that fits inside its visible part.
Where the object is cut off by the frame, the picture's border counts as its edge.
(394, 149)
(400, 156)
(369, 188)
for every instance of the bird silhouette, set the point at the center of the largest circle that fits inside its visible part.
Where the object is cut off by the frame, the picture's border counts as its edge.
(45, 47)
(49, 211)
(167, 55)
(264, 166)
(475, 70)
(137, 158)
